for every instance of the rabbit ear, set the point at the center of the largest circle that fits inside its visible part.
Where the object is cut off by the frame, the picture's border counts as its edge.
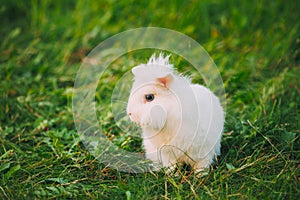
(166, 80)
(136, 71)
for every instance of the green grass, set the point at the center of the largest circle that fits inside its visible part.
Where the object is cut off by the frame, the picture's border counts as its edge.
(255, 45)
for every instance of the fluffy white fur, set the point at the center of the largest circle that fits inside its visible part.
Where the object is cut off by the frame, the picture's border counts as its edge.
(184, 122)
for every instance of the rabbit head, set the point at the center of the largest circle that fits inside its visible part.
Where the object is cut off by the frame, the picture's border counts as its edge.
(151, 99)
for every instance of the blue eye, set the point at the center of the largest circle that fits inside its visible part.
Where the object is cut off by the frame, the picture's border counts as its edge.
(149, 97)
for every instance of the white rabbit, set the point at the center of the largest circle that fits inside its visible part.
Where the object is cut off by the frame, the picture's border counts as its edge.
(181, 122)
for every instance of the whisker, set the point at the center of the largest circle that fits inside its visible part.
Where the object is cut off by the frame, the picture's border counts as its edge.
(116, 100)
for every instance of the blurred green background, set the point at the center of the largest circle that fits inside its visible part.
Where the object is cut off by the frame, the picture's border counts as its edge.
(255, 45)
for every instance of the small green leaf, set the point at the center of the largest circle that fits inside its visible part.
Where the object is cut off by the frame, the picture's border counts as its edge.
(57, 180)
(12, 170)
(53, 189)
(4, 166)
(230, 166)
(172, 181)
(14, 33)
(128, 195)
(288, 136)
(6, 154)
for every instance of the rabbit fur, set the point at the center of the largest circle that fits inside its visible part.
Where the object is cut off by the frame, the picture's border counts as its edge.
(181, 122)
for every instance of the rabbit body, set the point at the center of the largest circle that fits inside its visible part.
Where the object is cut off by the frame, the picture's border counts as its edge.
(181, 122)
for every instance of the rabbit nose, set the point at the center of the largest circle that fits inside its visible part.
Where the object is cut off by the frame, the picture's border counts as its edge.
(130, 115)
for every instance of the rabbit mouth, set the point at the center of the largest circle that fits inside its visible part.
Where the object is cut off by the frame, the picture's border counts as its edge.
(134, 119)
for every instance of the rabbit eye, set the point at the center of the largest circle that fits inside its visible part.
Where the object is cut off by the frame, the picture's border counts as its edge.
(149, 97)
